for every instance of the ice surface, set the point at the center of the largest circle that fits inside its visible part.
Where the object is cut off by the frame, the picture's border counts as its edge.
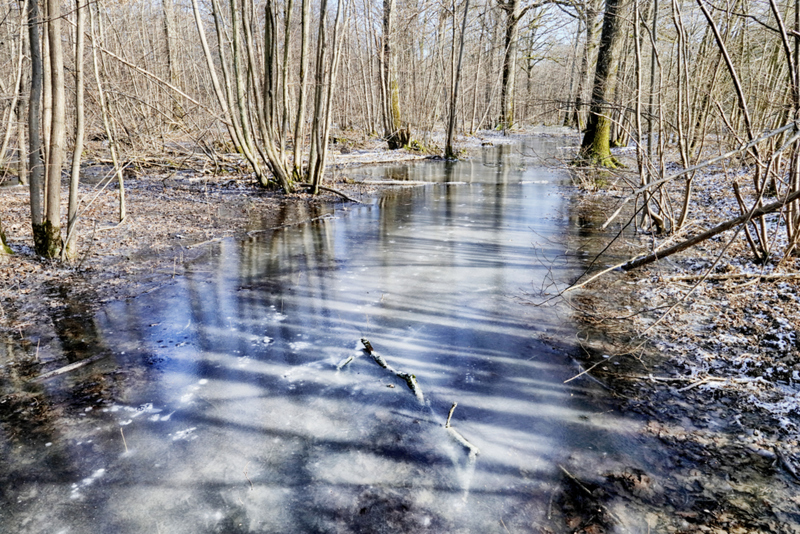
(249, 420)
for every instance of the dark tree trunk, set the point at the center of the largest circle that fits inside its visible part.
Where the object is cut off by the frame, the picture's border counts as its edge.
(35, 165)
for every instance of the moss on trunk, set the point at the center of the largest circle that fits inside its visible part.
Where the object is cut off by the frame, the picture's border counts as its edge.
(596, 148)
(4, 248)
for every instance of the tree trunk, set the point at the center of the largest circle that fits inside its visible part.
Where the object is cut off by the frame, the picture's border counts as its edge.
(513, 15)
(448, 151)
(70, 250)
(51, 230)
(34, 133)
(596, 146)
(172, 62)
(590, 20)
(396, 136)
(299, 125)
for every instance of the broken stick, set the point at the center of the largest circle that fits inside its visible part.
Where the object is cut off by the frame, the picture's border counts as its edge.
(410, 379)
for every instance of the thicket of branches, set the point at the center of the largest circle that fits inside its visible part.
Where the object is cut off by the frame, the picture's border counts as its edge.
(272, 80)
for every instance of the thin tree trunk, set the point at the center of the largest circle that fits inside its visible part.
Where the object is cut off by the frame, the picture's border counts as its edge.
(35, 166)
(448, 151)
(70, 250)
(52, 223)
(299, 124)
(17, 84)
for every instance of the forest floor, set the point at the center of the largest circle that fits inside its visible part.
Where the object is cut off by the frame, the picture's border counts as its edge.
(713, 366)
(716, 380)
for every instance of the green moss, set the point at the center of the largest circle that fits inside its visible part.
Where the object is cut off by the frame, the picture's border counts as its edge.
(47, 239)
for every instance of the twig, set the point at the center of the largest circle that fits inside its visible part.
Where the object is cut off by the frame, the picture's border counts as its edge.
(450, 414)
(588, 491)
(733, 276)
(331, 190)
(207, 242)
(727, 155)
(588, 369)
(344, 362)
(694, 384)
(247, 477)
(70, 367)
(123, 439)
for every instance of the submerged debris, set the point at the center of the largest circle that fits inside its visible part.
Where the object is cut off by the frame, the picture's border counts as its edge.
(409, 379)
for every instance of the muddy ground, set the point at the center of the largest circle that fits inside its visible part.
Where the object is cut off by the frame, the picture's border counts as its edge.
(716, 378)
(715, 381)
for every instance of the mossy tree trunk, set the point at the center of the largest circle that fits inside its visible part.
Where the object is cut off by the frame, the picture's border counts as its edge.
(396, 135)
(4, 249)
(596, 145)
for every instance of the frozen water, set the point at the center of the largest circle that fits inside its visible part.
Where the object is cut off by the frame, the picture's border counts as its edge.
(234, 397)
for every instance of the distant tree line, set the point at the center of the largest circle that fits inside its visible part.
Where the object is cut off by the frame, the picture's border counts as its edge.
(273, 80)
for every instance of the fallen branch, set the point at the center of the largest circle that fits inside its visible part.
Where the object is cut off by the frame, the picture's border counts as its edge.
(409, 379)
(734, 276)
(456, 435)
(331, 190)
(207, 242)
(461, 440)
(70, 367)
(450, 414)
(763, 210)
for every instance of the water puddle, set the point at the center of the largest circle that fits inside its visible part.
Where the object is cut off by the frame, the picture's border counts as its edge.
(240, 399)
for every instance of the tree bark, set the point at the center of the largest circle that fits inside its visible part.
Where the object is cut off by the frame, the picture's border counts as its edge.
(596, 145)
(448, 151)
(34, 133)
(511, 36)
(51, 229)
(396, 136)
(70, 250)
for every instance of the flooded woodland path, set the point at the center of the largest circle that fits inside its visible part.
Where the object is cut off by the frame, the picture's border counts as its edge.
(239, 399)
